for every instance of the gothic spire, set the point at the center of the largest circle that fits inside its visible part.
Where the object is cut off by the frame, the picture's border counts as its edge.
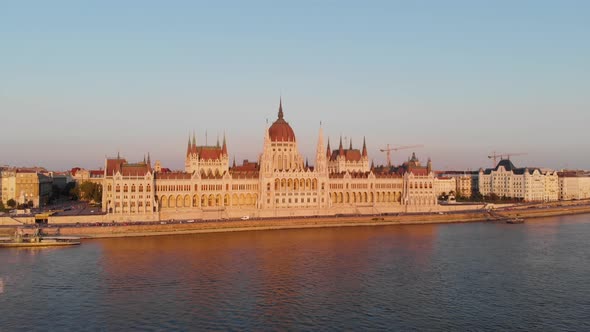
(281, 108)
(364, 147)
(328, 152)
(194, 139)
(188, 148)
(224, 148)
(350, 148)
(340, 148)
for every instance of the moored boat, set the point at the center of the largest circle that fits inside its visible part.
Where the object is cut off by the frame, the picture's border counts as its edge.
(22, 241)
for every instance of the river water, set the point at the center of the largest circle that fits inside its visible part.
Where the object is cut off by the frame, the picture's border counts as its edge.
(478, 276)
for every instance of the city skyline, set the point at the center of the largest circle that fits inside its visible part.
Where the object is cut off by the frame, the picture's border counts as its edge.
(464, 79)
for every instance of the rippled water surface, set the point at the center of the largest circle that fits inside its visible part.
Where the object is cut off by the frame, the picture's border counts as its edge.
(479, 276)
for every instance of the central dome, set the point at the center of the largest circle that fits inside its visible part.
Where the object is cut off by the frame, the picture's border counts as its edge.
(280, 131)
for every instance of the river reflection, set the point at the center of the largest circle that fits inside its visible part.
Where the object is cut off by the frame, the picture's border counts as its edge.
(449, 277)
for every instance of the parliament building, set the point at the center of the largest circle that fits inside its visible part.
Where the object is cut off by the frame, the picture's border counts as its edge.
(281, 183)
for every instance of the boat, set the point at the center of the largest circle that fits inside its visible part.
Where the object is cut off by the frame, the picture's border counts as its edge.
(515, 221)
(37, 240)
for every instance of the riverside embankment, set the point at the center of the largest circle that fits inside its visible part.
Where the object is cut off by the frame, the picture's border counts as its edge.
(127, 230)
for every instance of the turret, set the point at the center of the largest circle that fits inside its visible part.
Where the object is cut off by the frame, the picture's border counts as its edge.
(224, 148)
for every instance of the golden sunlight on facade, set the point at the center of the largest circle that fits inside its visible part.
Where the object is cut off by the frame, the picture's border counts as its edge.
(280, 184)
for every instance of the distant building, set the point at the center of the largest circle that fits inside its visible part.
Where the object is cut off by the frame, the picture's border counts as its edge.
(574, 185)
(81, 175)
(445, 185)
(25, 185)
(60, 179)
(7, 184)
(466, 182)
(527, 183)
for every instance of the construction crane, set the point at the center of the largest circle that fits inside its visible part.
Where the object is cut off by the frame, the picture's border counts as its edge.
(389, 149)
(494, 156)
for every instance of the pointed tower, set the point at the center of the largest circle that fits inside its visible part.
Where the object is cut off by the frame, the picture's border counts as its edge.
(188, 147)
(364, 148)
(224, 147)
(340, 148)
(321, 160)
(350, 147)
(328, 152)
(281, 108)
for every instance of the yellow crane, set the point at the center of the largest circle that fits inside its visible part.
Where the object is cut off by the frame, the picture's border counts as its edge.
(494, 156)
(388, 150)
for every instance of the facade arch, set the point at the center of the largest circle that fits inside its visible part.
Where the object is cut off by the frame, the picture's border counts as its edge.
(187, 201)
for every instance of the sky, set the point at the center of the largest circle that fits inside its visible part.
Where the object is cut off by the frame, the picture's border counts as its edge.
(81, 80)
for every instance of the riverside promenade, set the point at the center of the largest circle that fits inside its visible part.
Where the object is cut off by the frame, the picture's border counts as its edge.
(106, 230)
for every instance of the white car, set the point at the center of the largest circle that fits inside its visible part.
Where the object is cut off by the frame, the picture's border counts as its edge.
(245, 217)
(190, 221)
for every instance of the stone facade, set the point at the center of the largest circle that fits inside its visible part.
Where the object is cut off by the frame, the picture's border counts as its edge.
(574, 185)
(26, 185)
(528, 184)
(445, 185)
(280, 183)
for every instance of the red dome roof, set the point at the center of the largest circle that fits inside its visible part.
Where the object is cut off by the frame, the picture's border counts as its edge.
(280, 131)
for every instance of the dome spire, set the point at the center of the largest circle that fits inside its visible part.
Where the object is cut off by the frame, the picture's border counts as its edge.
(280, 107)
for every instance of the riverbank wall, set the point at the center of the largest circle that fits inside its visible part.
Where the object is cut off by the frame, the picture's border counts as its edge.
(125, 230)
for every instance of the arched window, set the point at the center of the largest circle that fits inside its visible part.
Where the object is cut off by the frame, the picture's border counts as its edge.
(125, 188)
(141, 188)
(110, 188)
(148, 188)
(132, 188)
(118, 188)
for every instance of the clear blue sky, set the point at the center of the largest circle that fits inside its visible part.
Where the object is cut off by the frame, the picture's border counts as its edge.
(83, 79)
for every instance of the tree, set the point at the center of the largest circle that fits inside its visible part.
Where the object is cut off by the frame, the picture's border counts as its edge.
(11, 203)
(2, 207)
(88, 191)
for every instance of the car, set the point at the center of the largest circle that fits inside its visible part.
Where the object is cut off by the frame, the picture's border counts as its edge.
(163, 223)
(245, 217)
(191, 221)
